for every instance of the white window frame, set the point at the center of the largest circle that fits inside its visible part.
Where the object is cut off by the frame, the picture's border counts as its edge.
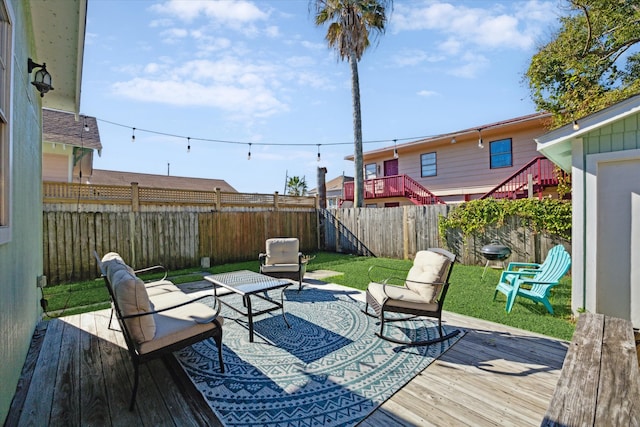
(6, 96)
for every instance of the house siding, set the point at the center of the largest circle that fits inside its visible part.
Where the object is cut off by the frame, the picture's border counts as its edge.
(618, 136)
(463, 168)
(21, 257)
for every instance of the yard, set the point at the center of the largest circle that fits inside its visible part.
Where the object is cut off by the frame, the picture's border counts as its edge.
(469, 295)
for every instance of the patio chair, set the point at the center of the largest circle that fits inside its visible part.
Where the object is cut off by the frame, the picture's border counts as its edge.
(534, 281)
(419, 292)
(283, 259)
(153, 287)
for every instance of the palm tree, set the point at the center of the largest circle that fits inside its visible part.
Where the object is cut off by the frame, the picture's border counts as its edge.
(350, 24)
(296, 186)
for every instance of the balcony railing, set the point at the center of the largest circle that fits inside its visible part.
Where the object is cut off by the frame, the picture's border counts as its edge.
(393, 186)
(533, 177)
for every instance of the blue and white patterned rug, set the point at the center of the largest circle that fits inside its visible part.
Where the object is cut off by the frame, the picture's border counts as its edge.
(328, 369)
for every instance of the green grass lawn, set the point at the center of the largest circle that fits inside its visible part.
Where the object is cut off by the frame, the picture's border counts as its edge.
(468, 293)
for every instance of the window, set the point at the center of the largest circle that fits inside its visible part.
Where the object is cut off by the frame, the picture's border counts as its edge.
(5, 149)
(428, 164)
(501, 153)
(370, 171)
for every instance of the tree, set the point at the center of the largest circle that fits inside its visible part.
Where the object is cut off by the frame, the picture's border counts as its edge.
(593, 62)
(296, 186)
(350, 23)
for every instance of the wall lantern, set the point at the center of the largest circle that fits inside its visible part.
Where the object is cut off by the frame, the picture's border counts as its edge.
(42, 79)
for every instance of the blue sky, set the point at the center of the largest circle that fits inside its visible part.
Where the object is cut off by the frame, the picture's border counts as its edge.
(260, 73)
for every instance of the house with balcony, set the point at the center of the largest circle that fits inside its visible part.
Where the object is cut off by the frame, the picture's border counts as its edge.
(334, 190)
(491, 160)
(41, 54)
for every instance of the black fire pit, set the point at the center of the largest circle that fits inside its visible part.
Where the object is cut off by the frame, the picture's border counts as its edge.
(494, 252)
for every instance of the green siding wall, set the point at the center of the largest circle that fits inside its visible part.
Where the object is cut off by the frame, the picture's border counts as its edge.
(619, 136)
(21, 258)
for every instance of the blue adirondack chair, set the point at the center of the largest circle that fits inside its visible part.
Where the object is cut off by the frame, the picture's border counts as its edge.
(534, 281)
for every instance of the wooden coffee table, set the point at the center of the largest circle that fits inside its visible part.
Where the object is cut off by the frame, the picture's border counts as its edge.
(248, 283)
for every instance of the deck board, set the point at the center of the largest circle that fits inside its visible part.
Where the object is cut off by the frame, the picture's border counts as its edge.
(82, 376)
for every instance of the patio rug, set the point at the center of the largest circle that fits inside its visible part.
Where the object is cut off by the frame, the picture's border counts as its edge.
(328, 369)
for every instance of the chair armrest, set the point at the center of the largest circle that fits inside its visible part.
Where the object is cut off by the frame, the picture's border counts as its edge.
(517, 273)
(520, 265)
(217, 307)
(387, 275)
(155, 267)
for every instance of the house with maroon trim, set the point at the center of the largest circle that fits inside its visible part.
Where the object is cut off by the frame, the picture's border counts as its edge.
(490, 160)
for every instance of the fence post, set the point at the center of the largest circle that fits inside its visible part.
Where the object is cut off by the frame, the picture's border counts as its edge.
(218, 201)
(135, 197)
(275, 200)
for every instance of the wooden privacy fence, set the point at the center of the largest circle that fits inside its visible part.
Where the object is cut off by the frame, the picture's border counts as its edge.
(176, 239)
(139, 198)
(402, 231)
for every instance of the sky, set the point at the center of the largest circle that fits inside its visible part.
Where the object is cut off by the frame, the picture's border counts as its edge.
(231, 77)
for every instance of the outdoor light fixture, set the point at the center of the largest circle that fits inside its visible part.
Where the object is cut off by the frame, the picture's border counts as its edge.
(188, 144)
(395, 149)
(42, 79)
(133, 135)
(318, 152)
(576, 126)
(480, 143)
(249, 154)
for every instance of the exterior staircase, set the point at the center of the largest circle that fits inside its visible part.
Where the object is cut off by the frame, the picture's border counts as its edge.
(394, 186)
(532, 178)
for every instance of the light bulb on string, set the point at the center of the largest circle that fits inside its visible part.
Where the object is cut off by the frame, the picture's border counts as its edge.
(249, 154)
(395, 149)
(188, 144)
(133, 135)
(318, 152)
(480, 143)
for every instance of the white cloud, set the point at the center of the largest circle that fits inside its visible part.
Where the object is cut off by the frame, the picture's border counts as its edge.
(410, 57)
(427, 93)
(231, 13)
(469, 26)
(471, 65)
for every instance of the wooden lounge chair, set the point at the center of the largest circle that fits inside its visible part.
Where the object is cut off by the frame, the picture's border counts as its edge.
(419, 292)
(534, 283)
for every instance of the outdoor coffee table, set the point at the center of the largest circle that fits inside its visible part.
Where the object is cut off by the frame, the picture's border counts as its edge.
(247, 283)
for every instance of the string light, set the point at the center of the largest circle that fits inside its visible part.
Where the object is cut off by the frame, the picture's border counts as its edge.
(85, 125)
(188, 144)
(249, 154)
(395, 149)
(133, 135)
(480, 143)
(576, 126)
(318, 152)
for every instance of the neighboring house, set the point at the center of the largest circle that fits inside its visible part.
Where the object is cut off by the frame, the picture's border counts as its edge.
(602, 151)
(68, 143)
(106, 177)
(457, 166)
(334, 190)
(50, 32)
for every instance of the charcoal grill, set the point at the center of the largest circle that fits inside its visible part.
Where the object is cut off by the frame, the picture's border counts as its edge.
(494, 252)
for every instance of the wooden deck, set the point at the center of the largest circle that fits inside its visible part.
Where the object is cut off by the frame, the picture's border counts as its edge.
(78, 373)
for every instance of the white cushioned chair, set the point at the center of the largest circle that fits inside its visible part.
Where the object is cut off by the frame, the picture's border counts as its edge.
(419, 292)
(283, 259)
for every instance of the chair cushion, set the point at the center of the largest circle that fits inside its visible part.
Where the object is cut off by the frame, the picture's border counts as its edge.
(280, 268)
(426, 275)
(282, 250)
(399, 296)
(160, 287)
(132, 298)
